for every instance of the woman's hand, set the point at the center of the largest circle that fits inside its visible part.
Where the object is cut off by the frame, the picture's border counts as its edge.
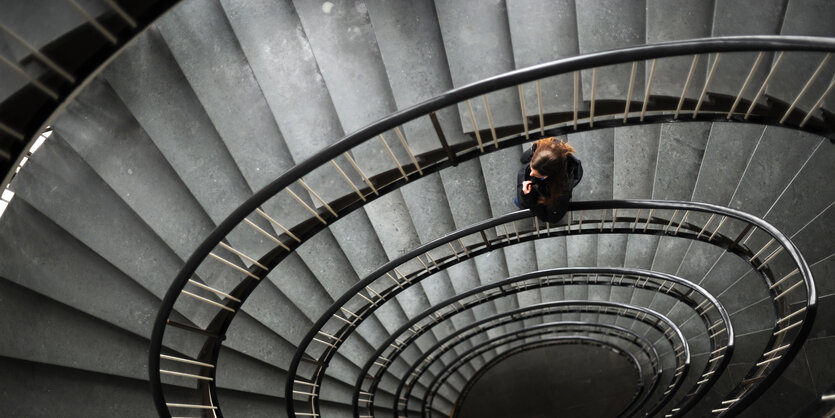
(526, 186)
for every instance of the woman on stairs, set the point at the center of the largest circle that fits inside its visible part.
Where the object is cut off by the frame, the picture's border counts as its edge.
(545, 182)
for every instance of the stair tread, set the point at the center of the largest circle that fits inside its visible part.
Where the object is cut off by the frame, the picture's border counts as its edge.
(744, 17)
(477, 44)
(675, 21)
(543, 31)
(626, 26)
(411, 48)
(807, 18)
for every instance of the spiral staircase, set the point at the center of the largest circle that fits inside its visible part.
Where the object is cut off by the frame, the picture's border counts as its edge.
(277, 208)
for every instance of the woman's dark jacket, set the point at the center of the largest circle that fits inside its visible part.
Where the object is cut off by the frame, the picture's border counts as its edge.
(554, 212)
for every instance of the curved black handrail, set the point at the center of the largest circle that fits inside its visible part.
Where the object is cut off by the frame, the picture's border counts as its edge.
(665, 278)
(684, 367)
(504, 356)
(638, 340)
(649, 349)
(511, 338)
(728, 44)
(575, 206)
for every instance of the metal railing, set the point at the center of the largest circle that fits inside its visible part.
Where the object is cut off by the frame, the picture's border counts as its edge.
(631, 338)
(706, 306)
(544, 337)
(666, 329)
(662, 218)
(259, 215)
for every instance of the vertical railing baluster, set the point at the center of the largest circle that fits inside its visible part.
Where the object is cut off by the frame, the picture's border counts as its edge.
(490, 120)
(122, 13)
(348, 180)
(524, 111)
(806, 86)
(10, 131)
(280, 226)
(747, 81)
(408, 149)
(316, 195)
(393, 158)
(306, 206)
(576, 96)
(541, 114)
(765, 84)
(629, 91)
(707, 83)
(361, 173)
(93, 22)
(818, 103)
(32, 80)
(475, 126)
(593, 94)
(648, 89)
(37, 54)
(686, 85)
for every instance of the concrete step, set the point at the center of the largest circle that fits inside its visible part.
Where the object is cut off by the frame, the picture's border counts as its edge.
(432, 218)
(48, 332)
(681, 153)
(729, 149)
(289, 76)
(670, 21)
(633, 172)
(478, 45)
(33, 389)
(772, 167)
(354, 73)
(194, 149)
(626, 26)
(543, 31)
(57, 167)
(117, 352)
(744, 17)
(290, 80)
(60, 185)
(98, 118)
(793, 210)
(804, 18)
(502, 167)
(469, 203)
(409, 39)
(306, 136)
(224, 83)
(24, 230)
(788, 395)
(267, 314)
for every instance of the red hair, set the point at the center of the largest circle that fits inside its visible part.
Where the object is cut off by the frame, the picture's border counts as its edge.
(551, 159)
